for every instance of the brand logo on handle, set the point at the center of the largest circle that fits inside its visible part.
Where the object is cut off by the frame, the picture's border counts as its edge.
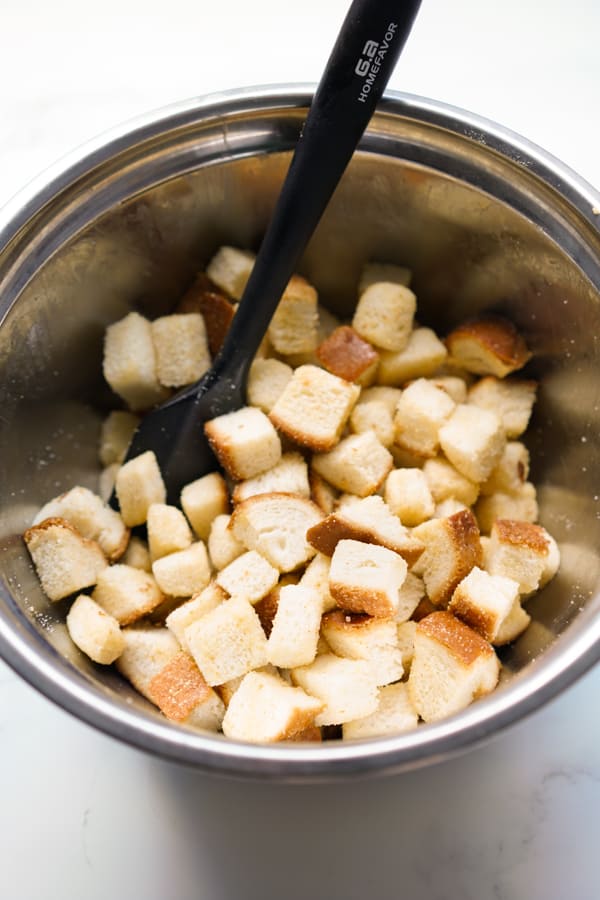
(371, 60)
(364, 64)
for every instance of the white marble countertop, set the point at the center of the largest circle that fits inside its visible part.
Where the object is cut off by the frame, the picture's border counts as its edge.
(85, 818)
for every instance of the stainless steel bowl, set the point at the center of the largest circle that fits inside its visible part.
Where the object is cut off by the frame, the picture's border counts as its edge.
(486, 220)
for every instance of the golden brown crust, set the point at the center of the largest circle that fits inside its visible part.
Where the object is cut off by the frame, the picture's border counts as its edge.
(360, 600)
(56, 521)
(325, 535)
(179, 687)
(465, 535)
(522, 534)
(424, 608)
(463, 643)
(493, 335)
(346, 354)
(301, 437)
(321, 492)
(266, 609)
(346, 621)
(312, 733)
(217, 311)
(480, 620)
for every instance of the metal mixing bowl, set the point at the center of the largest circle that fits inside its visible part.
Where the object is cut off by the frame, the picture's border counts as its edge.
(485, 220)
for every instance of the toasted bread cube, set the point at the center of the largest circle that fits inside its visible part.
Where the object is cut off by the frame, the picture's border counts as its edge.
(376, 417)
(139, 484)
(91, 517)
(94, 631)
(126, 593)
(454, 385)
(366, 578)
(106, 481)
(484, 601)
(511, 399)
(203, 500)
(147, 651)
(359, 464)
(511, 471)
(230, 269)
(513, 625)
(182, 694)
(448, 507)
(326, 323)
(249, 576)
(228, 641)
(346, 354)
(375, 272)
(314, 407)
(406, 459)
(518, 550)
(321, 492)
(228, 688)
(217, 311)
(288, 476)
(384, 315)
(552, 562)
(244, 442)
(363, 637)
(295, 632)
(223, 546)
(346, 687)
(421, 412)
(520, 505)
(137, 554)
(445, 482)
(473, 440)
(423, 355)
(369, 520)
(183, 573)
(406, 641)
(275, 525)
(293, 328)
(488, 346)
(115, 436)
(168, 530)
(316, 575)
(265, 709)
(380, 393)
(451, 667)
(267, 380)
(130, 362)
(65, 561)
(394, 715)
(181, 347)
(410, 595)
(452, 548)
(192, 610)
(408, 496)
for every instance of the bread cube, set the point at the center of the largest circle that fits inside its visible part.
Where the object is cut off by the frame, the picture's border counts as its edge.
(359, 464)
(217, 311)
(513, 625)
(91, 517)
(168, 530)
(265, 709)
(379, 393)
(227, 642)
(473, 440)
(137, 554)
(445, 482)
(181, 347)
(230, 269)
(552, 562)
(115, 436)
(376, 417)
(410, 595)
(126, 593)
(518, 550)
(375, 640)
(511, 399)
(405, 632)
(267, 379)
(147, 651)
(489, 345)
(484, 601)
(249, 576)
(375, 272)
(346, 354)
(408, 496)
(182, 695)
(203, 500)
(321, 492)
(293, 328)
(275, 525)
(448, 507)
(65, 561)
(295, 631)
(130, 362)
(520, 505)
(183, 573)
(452, 549)
(106, 481)
(288, 476)
(394, 715)
(421, 412)
(314, 407)
(366, 578)
(423, 355)
(346, 687)
(316, 575)
(511, 471)
(454, 385)
(94, 631)
(244, 442)
(452, 666)
(138, 485)
(223, 546)
(384, 315)
(180, 618)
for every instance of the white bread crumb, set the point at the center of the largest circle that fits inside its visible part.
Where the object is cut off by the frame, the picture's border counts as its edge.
(139, 483)
(245, 442)
(168, 530)
(228, 641)
(183, 573)
(295, 632)
(181, 348)
(203, 500)
(94, 631)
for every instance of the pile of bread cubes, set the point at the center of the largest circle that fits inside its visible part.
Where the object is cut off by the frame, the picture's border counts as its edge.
(368, 541)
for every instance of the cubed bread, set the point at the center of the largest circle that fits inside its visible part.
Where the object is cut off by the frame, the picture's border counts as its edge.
(346, 354)
(137, 554)
(293, 328)
(375, 272)
(265, 709)
(126, 593)
(223, 546)
(473, 440)
(384, 315)
(115, 435)
(423, 355)
(288, 476)
(139, 484)
(346, 687)
(130, 362)
(244, 442)
(182, 616)
(65, 561)
(448, 507)
(452, 548)
(275, 525)
(452, 666)
(267, 379)
(374, 416)
(445, 482)
(379, 393)
(511, 399)
(405, 632)
(182, 695)
(316, 575)
(183, 573)
(359, 636)
(106, 481)
(395, 714)
(513, 625)
(483, 601)
(520, 505)
(230, 269)
(454, 385)
(250, 576)
(295, 632)
(314, 407)
(359, 464)
(217, 311)
(94, 631)
(203, 500)
(366, 578)
(91, 517)
(147, 651)
(369, 520)
(168, 530)
(518, 550)
(489, 345)
(408, 495)
(228, 641)
(422, 410)
(552, 562)
(321, 492)
(181, 347)
(410, 595)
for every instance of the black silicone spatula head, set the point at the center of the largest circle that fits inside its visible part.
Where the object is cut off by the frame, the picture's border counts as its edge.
(357, 72)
